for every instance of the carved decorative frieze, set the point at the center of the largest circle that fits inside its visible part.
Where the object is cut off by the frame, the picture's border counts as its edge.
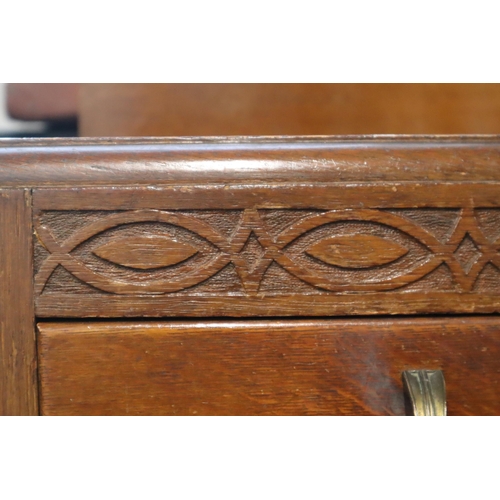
(272, 252)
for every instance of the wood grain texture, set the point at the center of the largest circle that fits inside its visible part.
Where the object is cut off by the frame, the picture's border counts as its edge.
(18, 380)
(393, 259)
(269, 109)
(298, 195)
(254, 210)
(261, 216)
(324, 367)
(145, 252)
(356, 251)
(248, 161)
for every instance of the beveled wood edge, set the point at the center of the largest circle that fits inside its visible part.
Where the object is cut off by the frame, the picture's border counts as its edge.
(324, 196)
(51, 305)
(49, 327)
(107, 162)
(247, 139)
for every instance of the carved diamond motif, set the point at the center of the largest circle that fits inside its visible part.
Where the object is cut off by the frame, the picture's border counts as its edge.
(252, 252)
(251, 263)
(467, 253)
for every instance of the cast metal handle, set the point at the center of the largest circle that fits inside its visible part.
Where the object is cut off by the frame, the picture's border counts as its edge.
(426, 392)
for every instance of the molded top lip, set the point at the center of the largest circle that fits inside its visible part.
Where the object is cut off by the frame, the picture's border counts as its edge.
(286, 141)
(157, 161)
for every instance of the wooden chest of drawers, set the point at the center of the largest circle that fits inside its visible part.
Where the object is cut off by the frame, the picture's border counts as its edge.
(248, 275)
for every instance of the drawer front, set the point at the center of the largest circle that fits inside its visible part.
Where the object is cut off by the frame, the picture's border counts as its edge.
(327, 367)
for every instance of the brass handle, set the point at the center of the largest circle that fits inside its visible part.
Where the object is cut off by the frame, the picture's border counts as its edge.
(426, 391)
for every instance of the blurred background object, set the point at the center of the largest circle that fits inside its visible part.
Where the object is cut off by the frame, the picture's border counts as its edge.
(121, 110)
(39, 109)
(16, 128)
(288, 109)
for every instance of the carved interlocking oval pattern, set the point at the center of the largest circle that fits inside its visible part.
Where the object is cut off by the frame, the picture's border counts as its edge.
(339, 251)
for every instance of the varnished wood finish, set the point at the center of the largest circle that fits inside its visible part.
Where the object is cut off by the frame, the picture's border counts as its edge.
(258, 109)
(247, 161)
(145, 252)
(249, 227)
(324, 367)
(257, 224)
(268, 195)
(18, 378)
(357, 251)
(70, 305)
(267, 262)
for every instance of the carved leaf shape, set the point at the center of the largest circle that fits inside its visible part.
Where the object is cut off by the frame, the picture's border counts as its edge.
(358, 251)
(145, 252)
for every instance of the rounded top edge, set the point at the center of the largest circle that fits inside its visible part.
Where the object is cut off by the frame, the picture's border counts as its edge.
(239, 139)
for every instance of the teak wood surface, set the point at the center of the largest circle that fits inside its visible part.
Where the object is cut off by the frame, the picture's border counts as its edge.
(270, 227)
(244, 227)
(18, 375)
(321, 367)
